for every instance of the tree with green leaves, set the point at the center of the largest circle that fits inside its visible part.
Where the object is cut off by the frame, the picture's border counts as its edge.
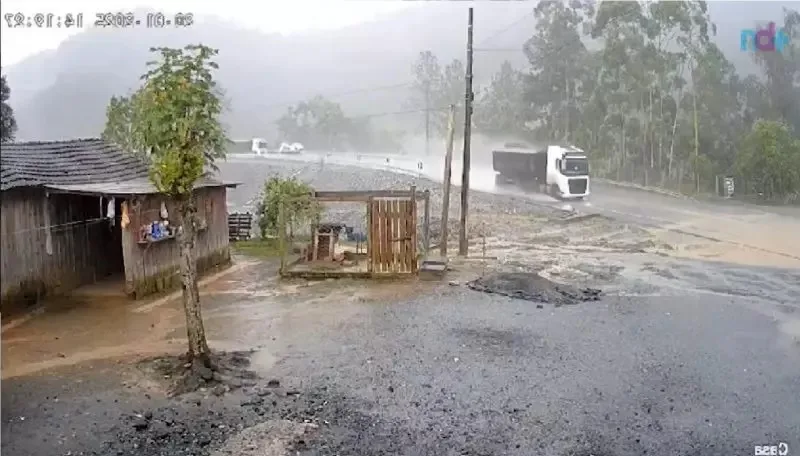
(556, 55)
(500, 110)
(8, 125)
(120, 124)
(180, 124)
(426, 86)
(452, 91)
(175, 120)
(770, 160)
(782, 74)
(318, 123)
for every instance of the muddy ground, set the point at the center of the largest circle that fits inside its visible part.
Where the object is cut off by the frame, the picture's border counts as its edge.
(677, 356)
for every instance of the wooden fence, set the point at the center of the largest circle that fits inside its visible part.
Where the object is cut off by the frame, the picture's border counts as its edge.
(393, 235)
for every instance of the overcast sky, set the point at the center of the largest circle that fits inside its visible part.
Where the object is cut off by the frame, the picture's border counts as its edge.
(284, 16)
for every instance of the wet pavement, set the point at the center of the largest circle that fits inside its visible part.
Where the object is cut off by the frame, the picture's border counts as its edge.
(677, 357)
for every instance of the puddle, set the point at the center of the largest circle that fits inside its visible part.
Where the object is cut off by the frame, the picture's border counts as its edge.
(791, 328)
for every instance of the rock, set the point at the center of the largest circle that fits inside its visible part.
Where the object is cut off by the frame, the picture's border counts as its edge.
(205, 373)
(140, 423)
(273, 383)
(159, 430)
(255, 400)
(219, 390)
(148, 415)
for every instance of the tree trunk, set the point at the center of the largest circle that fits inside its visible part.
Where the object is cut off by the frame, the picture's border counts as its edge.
(199, 354)
(661, 133)
(650, 130)
(696, 134)
(672, 145)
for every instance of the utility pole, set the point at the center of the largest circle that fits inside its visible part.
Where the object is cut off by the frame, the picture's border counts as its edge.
(427, 117)
(448, 163)
(462, 236)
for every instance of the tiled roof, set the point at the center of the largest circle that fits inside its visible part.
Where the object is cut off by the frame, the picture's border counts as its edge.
(80, 161)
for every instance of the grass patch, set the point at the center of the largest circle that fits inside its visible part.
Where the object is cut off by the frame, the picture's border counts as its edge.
(264, 248)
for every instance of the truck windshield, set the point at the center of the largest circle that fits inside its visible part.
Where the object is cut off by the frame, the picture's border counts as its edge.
(575, 167)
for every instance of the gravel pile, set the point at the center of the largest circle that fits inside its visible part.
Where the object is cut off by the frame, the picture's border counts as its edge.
(533, 287)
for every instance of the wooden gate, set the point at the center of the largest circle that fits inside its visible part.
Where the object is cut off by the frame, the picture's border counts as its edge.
(392, 235)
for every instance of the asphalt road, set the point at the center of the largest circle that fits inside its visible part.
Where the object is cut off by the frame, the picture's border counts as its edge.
(467, 374)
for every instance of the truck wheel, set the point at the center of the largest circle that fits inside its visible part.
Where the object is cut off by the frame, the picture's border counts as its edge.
(554, 191)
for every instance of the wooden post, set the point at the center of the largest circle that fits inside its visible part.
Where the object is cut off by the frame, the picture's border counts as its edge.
(462, 238)
(448, 165)
(414, 262)
(282, 234)
(427, 222)
(370, 237)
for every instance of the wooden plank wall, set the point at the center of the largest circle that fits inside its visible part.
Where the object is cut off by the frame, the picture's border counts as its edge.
(82, 252)
(155, 267)
(392, 239)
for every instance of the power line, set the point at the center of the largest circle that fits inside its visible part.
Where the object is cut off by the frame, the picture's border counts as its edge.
(64, 226)
(563, 46)
(519, 49)
(60, 225)
(504, 29)
(389, 113)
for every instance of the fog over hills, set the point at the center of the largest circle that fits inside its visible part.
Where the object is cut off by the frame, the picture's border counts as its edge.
(63, 93)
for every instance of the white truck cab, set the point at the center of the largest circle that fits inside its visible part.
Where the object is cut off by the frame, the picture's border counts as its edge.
(259, 146)
(567, 172)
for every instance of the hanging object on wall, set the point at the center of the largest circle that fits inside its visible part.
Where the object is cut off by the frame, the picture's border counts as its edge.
(111, 213)
(125, 219)
(164, 213)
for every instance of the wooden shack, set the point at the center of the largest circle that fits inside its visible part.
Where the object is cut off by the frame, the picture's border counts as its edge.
(74, 212)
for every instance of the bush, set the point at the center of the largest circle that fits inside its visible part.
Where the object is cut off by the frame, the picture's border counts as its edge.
(300, 207)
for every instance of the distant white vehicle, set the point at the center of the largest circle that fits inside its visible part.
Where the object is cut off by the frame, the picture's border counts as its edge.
(259, 146)
(294, 148)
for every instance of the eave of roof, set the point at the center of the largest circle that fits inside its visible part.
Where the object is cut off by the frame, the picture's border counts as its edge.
(137, 186)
